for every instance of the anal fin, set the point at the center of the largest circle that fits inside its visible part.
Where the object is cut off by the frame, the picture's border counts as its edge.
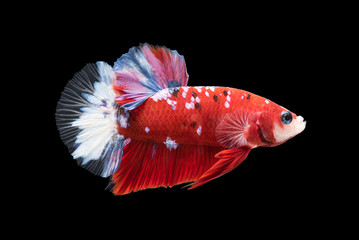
(229, 159)
(149, 165)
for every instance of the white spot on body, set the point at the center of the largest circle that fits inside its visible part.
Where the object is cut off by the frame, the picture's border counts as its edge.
(172, 103)
(212, 89)
(199, 129)
(184, 94)
(147, 129)
(226, 104)
(189, 105)
(207, 94)
(228, 98)
(229, 92)
(185, 89)
(199, 89)
(163, 94)
(198, 99)
(266, 101)
(192, 99)
(171, 144)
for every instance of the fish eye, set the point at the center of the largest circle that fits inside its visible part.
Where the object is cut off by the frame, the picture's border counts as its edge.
(286, 117)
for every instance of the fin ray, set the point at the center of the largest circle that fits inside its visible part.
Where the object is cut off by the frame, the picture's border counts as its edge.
(145, 70)
(229, 159)
(139, 170)
(231, 131)
(86, 120)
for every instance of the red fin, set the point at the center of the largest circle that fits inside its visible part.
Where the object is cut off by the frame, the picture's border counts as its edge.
(149, 165)
(228, 160)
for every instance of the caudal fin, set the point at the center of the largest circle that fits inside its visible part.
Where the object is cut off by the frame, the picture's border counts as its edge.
(86, 114)
(86, 119)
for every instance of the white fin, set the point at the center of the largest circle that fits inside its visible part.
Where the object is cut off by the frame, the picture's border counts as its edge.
(86, 117)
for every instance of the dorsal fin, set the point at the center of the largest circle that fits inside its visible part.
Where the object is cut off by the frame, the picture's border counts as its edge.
(144, 71)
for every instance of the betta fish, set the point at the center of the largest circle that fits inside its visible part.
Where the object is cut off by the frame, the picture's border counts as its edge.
(139, 124)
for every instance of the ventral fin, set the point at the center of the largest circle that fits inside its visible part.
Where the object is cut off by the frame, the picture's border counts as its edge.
(229, 159)
(145, 70)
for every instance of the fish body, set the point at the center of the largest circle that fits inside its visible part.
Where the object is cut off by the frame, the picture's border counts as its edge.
(140, 124)
(188, 115)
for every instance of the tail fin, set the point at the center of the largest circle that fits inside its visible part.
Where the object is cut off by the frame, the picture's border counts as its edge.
(86, 114)
(146, 70)
(86, 119)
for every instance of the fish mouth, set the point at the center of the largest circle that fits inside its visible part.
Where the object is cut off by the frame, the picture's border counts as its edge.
(300, 124)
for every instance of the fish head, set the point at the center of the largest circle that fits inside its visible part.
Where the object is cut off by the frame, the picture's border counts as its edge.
(276, 125)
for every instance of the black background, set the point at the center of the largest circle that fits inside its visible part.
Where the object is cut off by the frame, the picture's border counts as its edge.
(280, 57)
